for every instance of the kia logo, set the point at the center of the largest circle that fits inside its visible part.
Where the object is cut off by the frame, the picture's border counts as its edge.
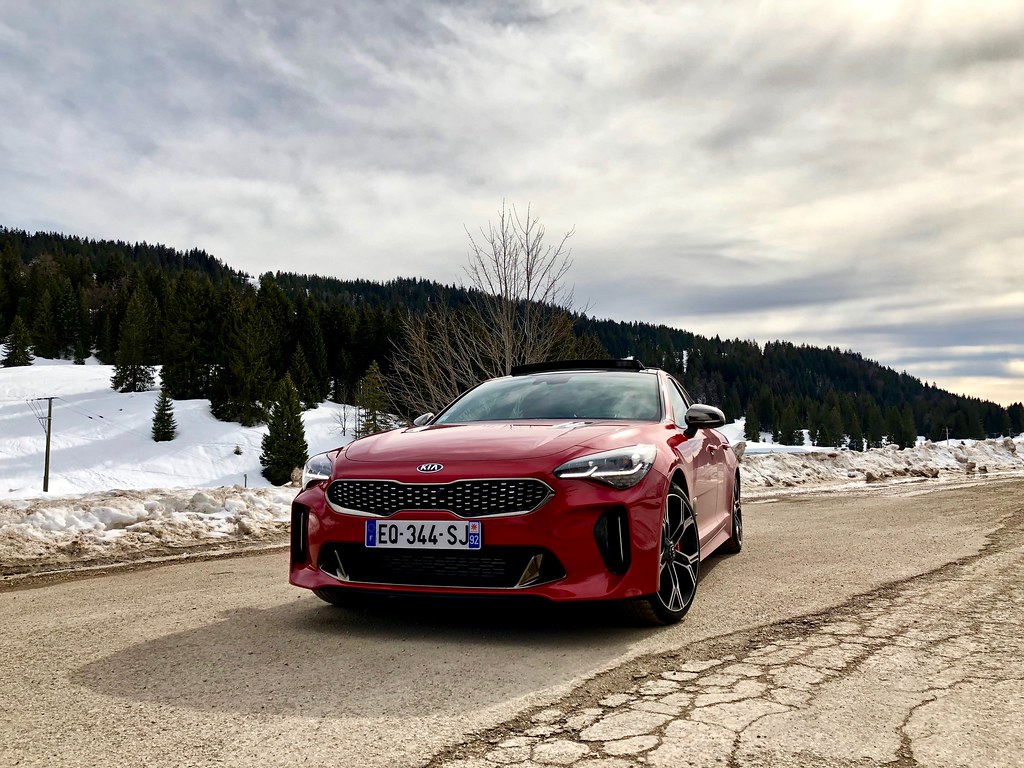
(430, 467)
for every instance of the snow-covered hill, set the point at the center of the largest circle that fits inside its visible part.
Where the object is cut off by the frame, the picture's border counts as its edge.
(115, 495)
(101, 438)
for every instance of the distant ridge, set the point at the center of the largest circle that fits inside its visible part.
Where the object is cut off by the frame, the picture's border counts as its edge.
(73, 291)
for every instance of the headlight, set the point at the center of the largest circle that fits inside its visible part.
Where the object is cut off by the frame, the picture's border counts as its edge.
(621, 468)
(317, 468)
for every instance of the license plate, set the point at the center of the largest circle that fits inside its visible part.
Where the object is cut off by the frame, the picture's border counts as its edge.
(424, 534)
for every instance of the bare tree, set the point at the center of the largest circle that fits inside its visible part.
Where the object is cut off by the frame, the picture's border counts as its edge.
(341, 418)
(520, 311)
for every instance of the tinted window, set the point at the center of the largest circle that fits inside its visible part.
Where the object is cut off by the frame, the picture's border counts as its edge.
(632, 396)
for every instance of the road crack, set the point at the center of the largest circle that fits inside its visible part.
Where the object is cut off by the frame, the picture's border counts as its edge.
(743, 697)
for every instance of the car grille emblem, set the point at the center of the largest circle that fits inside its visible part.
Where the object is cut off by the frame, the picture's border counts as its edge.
(430, 467)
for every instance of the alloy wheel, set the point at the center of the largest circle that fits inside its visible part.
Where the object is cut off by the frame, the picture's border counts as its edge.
(680, 555)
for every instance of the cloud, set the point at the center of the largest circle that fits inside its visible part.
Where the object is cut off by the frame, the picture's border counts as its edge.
(849, 174)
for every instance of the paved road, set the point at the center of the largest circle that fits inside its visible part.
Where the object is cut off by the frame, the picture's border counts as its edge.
(222, 663)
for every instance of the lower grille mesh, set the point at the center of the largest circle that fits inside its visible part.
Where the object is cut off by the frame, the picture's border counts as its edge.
(495, 568)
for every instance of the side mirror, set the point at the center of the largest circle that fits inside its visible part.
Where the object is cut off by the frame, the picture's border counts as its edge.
(419, 421)
(703, 417)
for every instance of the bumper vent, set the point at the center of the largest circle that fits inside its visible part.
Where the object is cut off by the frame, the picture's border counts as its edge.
(611, 532)
(300, 534)
(465, 498)
(498, 568)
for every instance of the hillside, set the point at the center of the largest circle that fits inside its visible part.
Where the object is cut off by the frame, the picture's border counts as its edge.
(222, 336)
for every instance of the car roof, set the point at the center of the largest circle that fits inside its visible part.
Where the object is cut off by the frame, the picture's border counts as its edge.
(578, 365)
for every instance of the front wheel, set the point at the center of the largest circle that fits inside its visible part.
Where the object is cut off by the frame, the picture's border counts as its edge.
(678, 564)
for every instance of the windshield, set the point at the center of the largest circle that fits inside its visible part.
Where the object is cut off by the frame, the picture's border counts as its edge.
(576, 395)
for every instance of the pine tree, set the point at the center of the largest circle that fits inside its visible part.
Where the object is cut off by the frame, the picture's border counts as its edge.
(302, 377)
(855, 433)
(279, 316)
(766, 411)
(1016, 414)
(187, 359)
(790, 432)
(242, 382)
(131, 373)
(830, 429)
(44, 330)
(284, 446)
(19, 345)
(908, 436)
(372, 401)
(311, 340)
(752, 427)
(874, 422)
(164, 426)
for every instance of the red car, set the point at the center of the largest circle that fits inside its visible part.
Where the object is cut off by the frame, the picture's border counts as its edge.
(586, 480)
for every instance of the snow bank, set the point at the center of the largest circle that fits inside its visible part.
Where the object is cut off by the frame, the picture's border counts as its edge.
(926, 460)
(119, 526)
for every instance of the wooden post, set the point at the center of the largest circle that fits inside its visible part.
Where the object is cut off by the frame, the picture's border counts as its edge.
(46, 464)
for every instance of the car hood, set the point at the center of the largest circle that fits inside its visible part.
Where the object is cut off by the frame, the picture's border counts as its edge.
(489, 441)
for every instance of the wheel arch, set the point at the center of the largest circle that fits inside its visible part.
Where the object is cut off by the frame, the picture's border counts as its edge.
(678, 477)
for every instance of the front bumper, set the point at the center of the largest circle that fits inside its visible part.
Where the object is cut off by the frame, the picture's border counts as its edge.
(588, 542)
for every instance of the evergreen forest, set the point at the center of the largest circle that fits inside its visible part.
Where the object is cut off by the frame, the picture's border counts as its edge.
(226, 337)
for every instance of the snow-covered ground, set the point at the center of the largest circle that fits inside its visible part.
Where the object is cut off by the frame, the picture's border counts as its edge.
(204, 489)
(201, 490)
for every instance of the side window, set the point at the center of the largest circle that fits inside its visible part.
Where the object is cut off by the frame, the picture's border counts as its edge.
(679, 403)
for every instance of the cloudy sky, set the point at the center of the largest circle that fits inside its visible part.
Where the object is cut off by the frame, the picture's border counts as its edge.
(839, 173)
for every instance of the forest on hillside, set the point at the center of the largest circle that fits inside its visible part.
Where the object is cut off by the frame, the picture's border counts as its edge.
(225, 337)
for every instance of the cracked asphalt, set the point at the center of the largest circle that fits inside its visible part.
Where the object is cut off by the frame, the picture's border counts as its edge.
(879, 627)
(929, 672)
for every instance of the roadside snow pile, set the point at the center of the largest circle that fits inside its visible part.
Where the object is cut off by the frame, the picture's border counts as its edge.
(121, 526)
(926, 460)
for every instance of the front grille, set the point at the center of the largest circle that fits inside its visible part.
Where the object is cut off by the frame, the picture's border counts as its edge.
(465, 498)
(494, 568)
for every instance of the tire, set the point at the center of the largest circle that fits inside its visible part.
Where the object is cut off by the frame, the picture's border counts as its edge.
(678, 564)
(735, 541)
(341, 598)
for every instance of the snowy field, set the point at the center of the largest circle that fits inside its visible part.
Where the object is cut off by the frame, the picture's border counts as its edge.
(117, 496)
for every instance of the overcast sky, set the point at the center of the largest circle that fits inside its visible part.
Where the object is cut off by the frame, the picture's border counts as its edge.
(832, 173)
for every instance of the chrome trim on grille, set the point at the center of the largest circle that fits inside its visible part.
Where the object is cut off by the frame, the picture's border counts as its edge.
(531, 573)
(464, 480)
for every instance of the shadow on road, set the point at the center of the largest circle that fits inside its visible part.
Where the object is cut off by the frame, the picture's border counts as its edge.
(400, 658)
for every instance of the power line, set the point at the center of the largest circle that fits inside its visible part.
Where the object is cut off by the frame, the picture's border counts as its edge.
(93, 416)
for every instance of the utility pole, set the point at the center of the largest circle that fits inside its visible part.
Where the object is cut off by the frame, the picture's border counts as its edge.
(49, 425)
(49, 429)
(947, 436)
